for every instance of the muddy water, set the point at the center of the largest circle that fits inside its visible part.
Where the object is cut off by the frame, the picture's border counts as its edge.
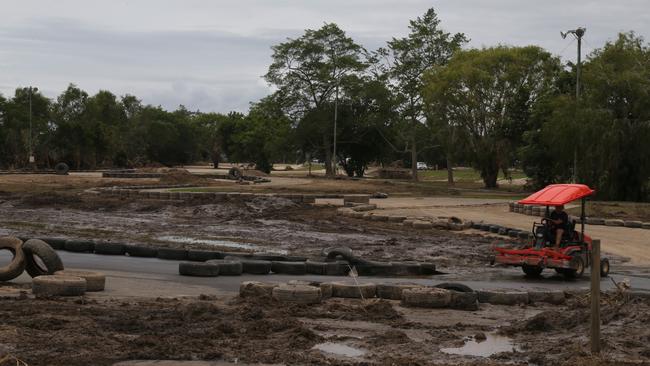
(218, 243)
(493, 344)
(339, 349)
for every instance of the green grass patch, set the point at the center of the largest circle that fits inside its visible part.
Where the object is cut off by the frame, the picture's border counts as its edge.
(463, 175)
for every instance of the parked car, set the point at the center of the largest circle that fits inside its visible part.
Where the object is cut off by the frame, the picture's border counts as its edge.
(422, 165)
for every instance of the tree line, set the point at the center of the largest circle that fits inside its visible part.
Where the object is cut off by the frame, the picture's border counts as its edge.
(422, 97)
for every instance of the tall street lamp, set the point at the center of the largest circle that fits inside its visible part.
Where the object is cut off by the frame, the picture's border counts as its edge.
(578, 33)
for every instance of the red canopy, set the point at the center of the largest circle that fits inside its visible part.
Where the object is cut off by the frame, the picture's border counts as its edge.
(558, 194)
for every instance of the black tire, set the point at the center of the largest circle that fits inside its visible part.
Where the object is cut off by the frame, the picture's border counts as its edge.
(79, 246)
(523, 235)
(495, 228)
(61, 169)
(95, 281)
(40, 258)
(336, 252)
(292, 268)
(428, 269)
(57, 285)
(55, 243)
(317, 268)
(235, 173)
(338, 268)
(252, 266)
(513, 233)
(604, 267)
(405, 269)
(476, 225)
(454, 286)
(172, 254)
(485, 227)
(532, 271)
(107, 248)
(202, 269)
(227, 267)
(203, 255)
(374, 269)
(577, 268)
(503, 231)
(140, 251)
(17, 265)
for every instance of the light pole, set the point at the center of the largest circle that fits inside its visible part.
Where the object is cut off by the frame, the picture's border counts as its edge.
(336, 114)
(578, 33)
(31, 152)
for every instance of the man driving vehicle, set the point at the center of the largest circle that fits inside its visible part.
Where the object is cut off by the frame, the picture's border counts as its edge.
(560, 220)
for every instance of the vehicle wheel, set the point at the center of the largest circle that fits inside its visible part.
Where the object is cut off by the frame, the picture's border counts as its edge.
(17, 265)
(604, 267)
(577, 268)
(40, 258)
(532, 271)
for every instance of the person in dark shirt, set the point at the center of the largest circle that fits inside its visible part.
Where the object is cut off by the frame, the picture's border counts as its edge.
(560, 220)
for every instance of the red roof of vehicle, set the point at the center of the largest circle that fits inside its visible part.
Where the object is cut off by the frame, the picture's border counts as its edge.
(558, 194)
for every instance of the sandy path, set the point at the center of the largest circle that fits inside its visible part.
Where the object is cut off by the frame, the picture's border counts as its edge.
(625, 242)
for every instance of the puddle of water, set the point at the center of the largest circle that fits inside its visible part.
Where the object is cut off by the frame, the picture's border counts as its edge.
(219, 243)
(493, 343)
(339, 349)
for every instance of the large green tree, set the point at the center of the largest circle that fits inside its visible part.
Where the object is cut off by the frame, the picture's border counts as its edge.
(310, 72)
(427, 46)
(487, 95)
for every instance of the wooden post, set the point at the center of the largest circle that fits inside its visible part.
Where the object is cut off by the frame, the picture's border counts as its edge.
(595, 297)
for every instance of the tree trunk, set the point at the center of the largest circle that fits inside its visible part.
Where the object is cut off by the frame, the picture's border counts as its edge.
(329, 171)
(490, 175)
(414, 160)
(450, 171)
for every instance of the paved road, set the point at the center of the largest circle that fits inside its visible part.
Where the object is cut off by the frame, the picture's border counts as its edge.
(151, 277)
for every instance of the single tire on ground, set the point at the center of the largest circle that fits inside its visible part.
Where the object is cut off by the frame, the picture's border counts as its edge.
(338, 252)
(40, 258)
(297, 294)
(454, 286)
(95, 281)
(198, 269)
(61, 169)
(393, 291)
(57, 285)
(228, 267)
(426, 297)
(108, 248)
(354, 291)
(80, 246)
(235, 173)
(293, 268)
(503, 297)
(464, 300)
(17, 265)
(256, 289)
(141, 251)
(172, 254)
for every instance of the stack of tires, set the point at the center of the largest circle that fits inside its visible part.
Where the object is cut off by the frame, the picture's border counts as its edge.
(44, 265)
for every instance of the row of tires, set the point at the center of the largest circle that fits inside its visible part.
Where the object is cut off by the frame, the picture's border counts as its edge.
(234, 266)
(444, 295)
(135, 250)
(502, 230)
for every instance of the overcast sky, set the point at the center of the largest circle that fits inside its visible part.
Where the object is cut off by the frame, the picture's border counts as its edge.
(210, 55)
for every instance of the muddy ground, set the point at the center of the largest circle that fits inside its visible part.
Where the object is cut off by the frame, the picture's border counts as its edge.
(86, 331)
(261, 225)
(100, 331)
